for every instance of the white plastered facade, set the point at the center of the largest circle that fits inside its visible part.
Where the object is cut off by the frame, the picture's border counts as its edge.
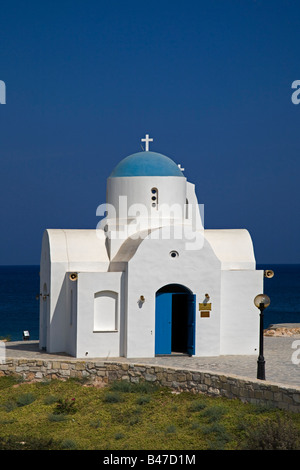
(101, 314)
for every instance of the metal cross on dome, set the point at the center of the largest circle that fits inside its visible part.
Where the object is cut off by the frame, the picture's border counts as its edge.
(147, 140)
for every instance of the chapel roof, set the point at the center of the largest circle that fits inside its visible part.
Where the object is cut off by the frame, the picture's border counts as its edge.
(146, 164)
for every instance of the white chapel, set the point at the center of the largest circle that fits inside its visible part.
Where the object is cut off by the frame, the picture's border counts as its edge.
(149, 279)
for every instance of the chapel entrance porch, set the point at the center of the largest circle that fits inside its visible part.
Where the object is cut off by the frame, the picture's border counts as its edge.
(175, 320)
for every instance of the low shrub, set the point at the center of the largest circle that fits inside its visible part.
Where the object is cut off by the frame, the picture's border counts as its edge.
(216, 428)
(57, 418)
(45, 382)
(9, 405)
(8, 381)
(122, 386)
(197, 406)
(279, 434)
(25, 399)
(262, 408)
(195, 425)
(6, 338)
(50, 400)
(28, 443)
(134, 420)
(113, 398)
(68, 444)
(217, 435)
(214, 413)
(171, 429)
(95, 424)
(65, 406)
(143, 400)
(219, 443)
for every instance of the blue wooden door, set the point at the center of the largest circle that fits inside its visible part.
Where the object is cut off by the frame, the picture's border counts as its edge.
(163, 323)
(191, 324)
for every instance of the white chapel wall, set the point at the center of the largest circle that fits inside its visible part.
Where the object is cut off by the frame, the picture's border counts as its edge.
(100, 314)
(151, 268)
(239, 316)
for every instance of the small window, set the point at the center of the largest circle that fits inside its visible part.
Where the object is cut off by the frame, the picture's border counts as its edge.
(105, 311)
(154, 197)
(186, 208)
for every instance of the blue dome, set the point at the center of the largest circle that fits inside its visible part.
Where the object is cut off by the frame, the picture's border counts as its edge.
(146, 164)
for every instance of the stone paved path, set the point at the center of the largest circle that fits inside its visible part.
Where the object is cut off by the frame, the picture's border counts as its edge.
(278, 352)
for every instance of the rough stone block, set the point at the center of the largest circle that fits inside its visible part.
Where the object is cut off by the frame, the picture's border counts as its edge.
(180, 377)
(150, 377)
(55, 365)
(296, 397)
(65, 373)
(134, 379)
(287, 399)
(101, 373)
(268, 395)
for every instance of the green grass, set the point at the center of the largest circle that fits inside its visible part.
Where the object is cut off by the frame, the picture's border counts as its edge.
(130, 416)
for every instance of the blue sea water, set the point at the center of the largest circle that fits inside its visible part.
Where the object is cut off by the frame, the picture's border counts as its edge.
(19, 309)
(284, 292)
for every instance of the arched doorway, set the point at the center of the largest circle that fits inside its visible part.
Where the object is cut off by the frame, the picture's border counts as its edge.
(175, 320)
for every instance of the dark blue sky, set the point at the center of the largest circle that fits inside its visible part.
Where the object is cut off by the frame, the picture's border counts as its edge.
(209, 80)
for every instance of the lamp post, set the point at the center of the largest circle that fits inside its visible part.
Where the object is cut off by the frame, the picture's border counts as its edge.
(261, 301)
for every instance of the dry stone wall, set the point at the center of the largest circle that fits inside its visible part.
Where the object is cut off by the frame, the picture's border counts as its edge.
(104, 372)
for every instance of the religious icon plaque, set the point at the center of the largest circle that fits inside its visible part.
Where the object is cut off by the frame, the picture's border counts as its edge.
(205, 306)
(205, 314)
